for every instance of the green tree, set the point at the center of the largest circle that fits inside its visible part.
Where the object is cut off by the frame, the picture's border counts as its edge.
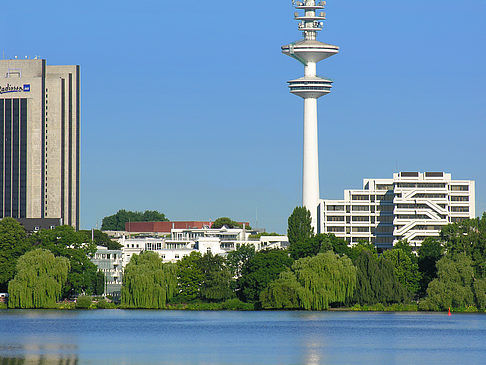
(64, 241)
(469, 237)
(116, 222)
(39, 280)
(376, 281)
(13, 244)
(406, 270)
(148, 282)
(312, 284)
(299, 226)
(259, 271)
(355, 251)
(228, 222)
(238, 258)
(282, 293)
(429, 253)
(406, 249)
(326, 278)
(453, 286)
(189, 277)
(216, 285)
(319, 243)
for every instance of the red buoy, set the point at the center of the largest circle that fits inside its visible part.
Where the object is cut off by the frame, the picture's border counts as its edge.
(449, 311)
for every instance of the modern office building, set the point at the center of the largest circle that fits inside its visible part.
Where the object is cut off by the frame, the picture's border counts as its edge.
(411, 206)
(39, 132)
(309, 51)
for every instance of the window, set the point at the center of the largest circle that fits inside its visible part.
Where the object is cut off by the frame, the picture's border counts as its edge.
(361, 208)
(335, 229)
(457, 219)
(429, 196)
(339, 208)
(361, 229)
(459, 198)
(331, 218)
(460, 209)
(361, 219)
(360, 197)
(412, 206)
(459, 187)
(412, 216)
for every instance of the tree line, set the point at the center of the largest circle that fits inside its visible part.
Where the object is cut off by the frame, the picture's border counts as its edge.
(316, 272)
(116, 222)
(321, 271)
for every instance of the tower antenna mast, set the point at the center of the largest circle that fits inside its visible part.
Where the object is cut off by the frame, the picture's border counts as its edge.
(309, 51)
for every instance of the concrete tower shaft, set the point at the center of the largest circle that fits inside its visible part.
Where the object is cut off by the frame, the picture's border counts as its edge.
(309, 52)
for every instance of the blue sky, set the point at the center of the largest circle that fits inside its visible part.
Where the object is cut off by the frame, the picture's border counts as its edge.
(185, 107)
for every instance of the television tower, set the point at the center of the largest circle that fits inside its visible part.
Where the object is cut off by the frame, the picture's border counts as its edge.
(309, 52)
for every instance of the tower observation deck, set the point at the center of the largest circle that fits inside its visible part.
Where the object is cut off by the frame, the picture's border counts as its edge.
(309, 51)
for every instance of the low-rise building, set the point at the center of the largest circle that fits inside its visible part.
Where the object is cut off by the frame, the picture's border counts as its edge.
(203, 240)
(110, 262)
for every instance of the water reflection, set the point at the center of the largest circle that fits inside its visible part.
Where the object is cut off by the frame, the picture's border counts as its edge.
(312, 355)
(34, 351)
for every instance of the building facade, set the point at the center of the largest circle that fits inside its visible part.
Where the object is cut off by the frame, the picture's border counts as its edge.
(182, 242)
(110, 263)
(39, 130)
(411, 206)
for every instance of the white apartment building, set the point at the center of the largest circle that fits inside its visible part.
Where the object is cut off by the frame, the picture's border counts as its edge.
(110, 262)
(204, 240)
(411, 206)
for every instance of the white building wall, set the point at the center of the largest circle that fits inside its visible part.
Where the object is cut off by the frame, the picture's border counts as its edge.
(184, 241)
(411, 206)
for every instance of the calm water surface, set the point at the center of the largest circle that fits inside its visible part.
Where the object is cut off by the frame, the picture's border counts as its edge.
(183, 337)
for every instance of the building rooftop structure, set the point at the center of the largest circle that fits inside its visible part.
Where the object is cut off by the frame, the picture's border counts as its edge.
(166, 227)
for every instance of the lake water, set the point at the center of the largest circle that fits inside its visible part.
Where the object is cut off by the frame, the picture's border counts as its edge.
(184, 337)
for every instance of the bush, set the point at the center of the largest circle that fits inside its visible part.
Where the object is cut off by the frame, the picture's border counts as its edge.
(236, 305)
(3, 305)
(83, 302)
(103, 304)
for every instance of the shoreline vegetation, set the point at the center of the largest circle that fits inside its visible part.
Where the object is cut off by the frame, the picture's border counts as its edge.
(236, 305)
(316, 273)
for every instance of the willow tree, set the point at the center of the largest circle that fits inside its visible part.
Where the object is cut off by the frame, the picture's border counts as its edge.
(282, 293)
(39, 280)
(148, 282)
(325, 278)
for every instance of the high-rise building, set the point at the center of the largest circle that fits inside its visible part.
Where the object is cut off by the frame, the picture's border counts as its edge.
(411, 206)
(309, 51)
(39, 131)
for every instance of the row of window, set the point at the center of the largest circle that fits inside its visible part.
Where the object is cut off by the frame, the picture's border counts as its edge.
(421, 185)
